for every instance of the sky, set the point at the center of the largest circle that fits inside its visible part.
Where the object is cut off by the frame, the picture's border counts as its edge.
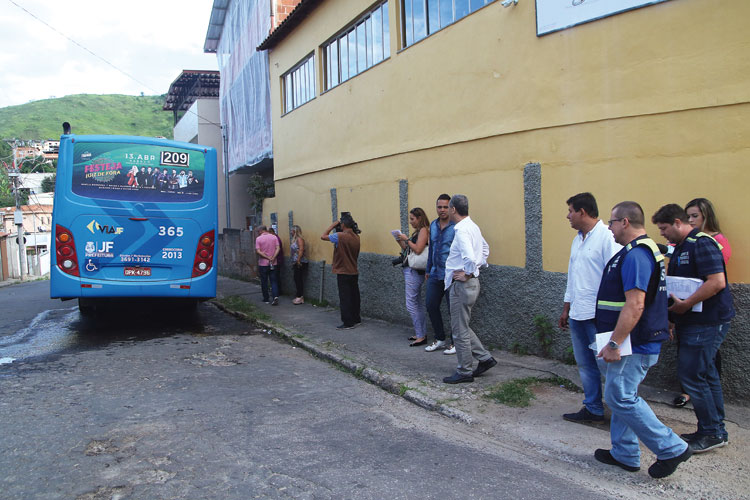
(152, 41)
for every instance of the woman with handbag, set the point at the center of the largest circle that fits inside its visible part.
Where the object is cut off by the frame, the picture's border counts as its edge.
(414, 269)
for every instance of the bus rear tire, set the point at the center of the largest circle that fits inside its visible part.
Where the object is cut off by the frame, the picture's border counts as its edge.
(190, 305)
(86, 307)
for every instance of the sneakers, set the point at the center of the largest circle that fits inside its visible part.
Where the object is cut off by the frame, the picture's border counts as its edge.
(343, 326)
(450, 350)
(483, 366)
(584, 415)
(298, 300)
(605, 457)
(694, 435)
(438, 344)
(457, 378)
(701, 444)
(275, 301)
(664, 468)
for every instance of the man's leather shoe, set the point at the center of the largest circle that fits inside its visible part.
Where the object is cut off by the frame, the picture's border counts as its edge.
(605, 457)
(457, 378)
(664, 468)
(483, 366)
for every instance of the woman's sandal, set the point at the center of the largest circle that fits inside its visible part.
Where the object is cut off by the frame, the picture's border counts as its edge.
(680, 400)
(412, 338)
(419, 342)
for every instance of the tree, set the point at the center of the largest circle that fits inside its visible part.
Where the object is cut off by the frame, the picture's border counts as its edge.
(7, 192)
(6, 189)
(35, 164)
(259, 189)
(48, 184)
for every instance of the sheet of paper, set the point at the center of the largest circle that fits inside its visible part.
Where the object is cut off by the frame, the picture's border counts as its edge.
(603, 338)
(396, 233)
(683, 288)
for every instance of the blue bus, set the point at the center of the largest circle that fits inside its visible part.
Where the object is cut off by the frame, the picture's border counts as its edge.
(133, 217)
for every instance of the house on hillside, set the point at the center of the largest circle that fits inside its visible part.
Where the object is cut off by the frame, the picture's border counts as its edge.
(37, 222)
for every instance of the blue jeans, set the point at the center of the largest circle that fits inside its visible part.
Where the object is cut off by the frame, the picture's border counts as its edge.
(414, 305)
(696, 369)
(632, 417)
(582, 335)
(265, 274)
(433, 297)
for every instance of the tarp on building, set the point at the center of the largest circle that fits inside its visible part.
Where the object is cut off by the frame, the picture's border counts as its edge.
(244, 91)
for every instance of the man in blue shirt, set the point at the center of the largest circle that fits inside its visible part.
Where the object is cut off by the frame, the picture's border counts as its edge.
(441, 237)
(632, 302)
(698, 255)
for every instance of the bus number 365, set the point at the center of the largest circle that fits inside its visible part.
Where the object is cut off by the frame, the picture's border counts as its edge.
(170, 231)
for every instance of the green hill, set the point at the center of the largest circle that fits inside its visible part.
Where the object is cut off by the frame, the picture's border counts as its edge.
(87, 114)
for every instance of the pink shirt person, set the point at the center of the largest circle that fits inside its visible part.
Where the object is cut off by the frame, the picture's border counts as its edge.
(266, 243)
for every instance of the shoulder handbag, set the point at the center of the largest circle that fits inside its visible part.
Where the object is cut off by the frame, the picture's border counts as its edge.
(418, 262)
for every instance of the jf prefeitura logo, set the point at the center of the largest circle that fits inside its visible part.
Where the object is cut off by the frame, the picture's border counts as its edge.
(102, 170)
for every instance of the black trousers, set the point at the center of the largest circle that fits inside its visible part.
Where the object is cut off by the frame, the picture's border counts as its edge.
(349, 298)
(299, 271)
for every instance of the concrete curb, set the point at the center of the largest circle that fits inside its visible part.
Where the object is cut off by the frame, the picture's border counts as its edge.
(372, 375)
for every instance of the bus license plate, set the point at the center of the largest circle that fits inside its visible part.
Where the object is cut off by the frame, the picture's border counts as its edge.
(137, 271)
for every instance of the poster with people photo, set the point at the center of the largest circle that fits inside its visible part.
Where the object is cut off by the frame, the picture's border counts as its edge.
(137, 172)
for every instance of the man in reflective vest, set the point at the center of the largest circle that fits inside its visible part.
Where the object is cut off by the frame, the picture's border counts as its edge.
(700, 333)
(632, 302)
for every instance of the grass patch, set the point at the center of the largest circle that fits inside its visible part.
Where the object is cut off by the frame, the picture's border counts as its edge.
(402, 388)
(239, 304)
(518, 394)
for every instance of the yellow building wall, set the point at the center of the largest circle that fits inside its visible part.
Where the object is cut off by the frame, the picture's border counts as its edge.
(649, 105)
(373, 198)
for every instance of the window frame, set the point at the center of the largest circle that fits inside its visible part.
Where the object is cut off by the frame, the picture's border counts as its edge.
(407, 28)
(303, 93)
(345, 46)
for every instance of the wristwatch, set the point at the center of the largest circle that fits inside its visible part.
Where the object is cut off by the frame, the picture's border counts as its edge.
(613, 345)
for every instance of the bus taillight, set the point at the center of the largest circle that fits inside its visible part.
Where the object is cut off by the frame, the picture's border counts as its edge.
(65, 247)
(204, 254)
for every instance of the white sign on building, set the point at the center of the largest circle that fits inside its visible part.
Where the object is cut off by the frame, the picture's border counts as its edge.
(556, 15)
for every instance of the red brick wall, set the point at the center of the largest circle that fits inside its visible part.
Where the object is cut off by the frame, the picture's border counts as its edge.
(282, 10)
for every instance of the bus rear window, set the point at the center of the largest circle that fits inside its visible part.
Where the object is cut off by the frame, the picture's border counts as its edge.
(137, 172)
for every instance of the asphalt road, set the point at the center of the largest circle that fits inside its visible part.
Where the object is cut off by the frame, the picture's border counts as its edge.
(166, 404)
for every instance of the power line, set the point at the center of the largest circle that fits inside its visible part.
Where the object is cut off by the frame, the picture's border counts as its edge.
(101, 58)
(81, 46)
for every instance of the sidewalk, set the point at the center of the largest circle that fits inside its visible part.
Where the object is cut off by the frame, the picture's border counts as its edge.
(379, 352)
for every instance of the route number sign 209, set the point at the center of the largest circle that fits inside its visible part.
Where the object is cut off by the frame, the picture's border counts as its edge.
(175, 159)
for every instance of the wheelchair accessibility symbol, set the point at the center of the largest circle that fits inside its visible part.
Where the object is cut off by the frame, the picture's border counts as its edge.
(91, 266)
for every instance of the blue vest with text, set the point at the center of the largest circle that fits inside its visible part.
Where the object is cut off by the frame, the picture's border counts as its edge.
(653, 325)
(717, 309)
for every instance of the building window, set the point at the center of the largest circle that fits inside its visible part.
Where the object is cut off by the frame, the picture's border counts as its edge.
(299, 84)
(362, 44)
(422, 18)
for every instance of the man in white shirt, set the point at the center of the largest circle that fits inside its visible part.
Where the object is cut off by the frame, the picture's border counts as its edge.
(593, 246)
(469, 252)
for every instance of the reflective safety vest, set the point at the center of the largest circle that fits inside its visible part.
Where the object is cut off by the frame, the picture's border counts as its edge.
(653, 325)
(717, 309)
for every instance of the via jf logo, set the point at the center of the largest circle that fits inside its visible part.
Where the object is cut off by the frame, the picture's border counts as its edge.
(93, 225)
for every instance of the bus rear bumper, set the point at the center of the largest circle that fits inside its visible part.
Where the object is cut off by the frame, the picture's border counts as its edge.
(64, 286)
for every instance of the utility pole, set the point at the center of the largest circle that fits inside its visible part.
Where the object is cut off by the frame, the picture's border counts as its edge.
(18, 215)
